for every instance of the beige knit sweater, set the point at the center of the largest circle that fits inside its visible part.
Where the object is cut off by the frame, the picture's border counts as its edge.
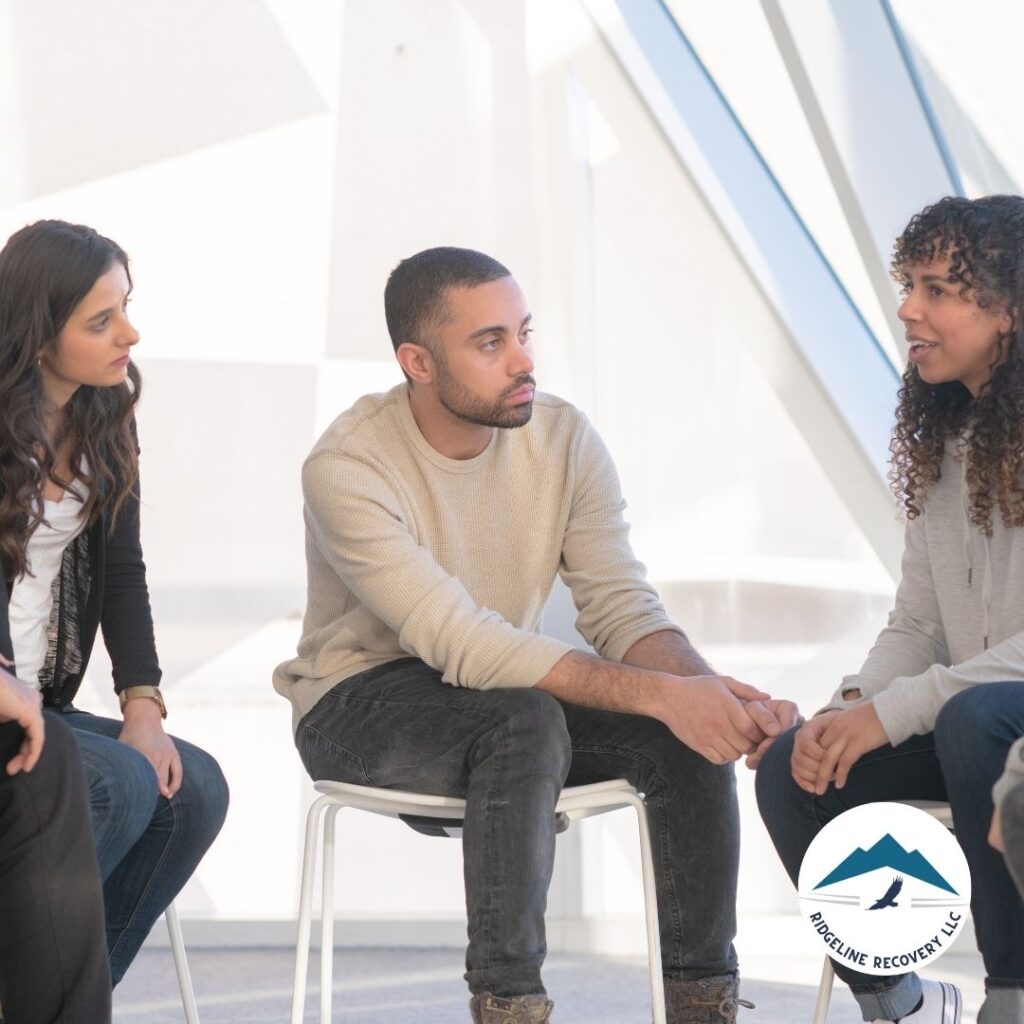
(452, 561)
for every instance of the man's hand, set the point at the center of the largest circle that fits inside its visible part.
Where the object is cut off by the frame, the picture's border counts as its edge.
(709, 715)
(785, 713)
(22, 704)
(846, 738)
(808, 751)
(143, 730)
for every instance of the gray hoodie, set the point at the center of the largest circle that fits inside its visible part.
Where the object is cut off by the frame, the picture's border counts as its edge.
(958, 618)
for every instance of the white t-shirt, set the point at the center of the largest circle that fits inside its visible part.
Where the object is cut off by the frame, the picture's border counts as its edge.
(32, 598)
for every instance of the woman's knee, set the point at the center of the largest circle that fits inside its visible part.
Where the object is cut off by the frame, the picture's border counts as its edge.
(126, 790)
(773, 784)
(989, 713)
(204, 790)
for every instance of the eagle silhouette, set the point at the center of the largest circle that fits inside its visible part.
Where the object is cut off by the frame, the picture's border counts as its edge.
(889, 899)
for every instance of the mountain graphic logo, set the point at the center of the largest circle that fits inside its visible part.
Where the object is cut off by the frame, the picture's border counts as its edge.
(893, 904)
(886, 853)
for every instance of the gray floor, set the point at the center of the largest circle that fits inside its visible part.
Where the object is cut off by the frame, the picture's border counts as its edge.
(374, 986)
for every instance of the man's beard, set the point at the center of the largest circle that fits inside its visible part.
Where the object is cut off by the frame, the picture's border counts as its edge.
(468, 406)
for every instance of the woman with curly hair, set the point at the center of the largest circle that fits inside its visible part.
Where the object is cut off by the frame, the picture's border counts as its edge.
(937, 704)
(71, 563)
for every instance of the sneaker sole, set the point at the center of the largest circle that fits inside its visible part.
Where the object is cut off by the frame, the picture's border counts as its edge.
(952, 1003)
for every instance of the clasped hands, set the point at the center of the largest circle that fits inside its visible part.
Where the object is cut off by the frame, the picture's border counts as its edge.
(723, 719)
(827, 746)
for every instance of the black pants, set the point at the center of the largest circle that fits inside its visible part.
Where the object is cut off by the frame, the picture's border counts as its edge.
(53, 949)
(508, 752)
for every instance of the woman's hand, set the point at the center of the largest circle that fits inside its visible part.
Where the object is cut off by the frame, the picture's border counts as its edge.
(845, 740)
(808, 751)
(143, 730)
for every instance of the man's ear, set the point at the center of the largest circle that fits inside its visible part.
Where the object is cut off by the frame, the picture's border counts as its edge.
(416, 362)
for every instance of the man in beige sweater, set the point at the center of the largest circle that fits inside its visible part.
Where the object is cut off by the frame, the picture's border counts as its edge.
(437, 516)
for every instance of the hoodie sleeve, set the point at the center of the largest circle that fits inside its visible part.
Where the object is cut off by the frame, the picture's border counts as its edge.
(910, 705)
(913, 641)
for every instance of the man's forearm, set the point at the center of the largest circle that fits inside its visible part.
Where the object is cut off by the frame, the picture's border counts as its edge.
(704, 712)
(667, 651)
(580, 678)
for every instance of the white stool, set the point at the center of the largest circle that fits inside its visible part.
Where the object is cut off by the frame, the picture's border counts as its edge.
(575, 803)
(188, 996)
(938, 810)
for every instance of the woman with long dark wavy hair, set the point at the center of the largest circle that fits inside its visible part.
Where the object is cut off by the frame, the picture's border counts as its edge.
(937, 704)
(72, 564)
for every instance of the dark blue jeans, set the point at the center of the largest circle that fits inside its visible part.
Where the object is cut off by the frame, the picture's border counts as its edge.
(53, 961)
(508, 753)
(147, 846)
(959, 762)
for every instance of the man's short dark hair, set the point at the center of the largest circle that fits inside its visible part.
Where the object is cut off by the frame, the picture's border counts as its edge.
(414, 297)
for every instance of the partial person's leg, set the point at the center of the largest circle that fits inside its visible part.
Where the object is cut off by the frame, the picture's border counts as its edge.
(973, 734)
(148, 846)
(53, 960)
(910, 771)
(1012, 821)
(505, 751)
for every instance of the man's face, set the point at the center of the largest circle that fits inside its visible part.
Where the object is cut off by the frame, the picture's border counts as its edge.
(482, 358)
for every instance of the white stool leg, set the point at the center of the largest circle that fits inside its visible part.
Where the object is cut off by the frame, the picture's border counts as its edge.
(327, 917)
(188, 996)
(824, 993)
(650, 914)
(306, 908)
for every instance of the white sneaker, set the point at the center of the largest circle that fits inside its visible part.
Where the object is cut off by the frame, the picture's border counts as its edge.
(942, 1004)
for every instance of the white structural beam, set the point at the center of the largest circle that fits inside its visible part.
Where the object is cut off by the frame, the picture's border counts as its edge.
(844, 404)
(871, 119)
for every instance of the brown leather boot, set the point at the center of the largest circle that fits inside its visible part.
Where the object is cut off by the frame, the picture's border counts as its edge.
(713, 1000)
(488, 1009)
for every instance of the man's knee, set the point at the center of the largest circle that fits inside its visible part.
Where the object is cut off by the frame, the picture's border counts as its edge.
(534, 722)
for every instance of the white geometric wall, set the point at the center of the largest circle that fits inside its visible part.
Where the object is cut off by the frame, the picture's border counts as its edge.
(265, 164)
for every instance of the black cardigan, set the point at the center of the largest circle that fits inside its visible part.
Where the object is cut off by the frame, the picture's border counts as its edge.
(117, 601)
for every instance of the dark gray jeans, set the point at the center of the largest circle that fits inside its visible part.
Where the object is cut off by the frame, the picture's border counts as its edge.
(508, 753)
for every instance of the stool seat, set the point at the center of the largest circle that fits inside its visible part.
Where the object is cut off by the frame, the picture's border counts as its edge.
(435, 815)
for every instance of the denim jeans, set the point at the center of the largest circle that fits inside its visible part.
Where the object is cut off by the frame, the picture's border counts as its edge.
(508, 753)
(958, 763)
(53, 962)
(147, 846)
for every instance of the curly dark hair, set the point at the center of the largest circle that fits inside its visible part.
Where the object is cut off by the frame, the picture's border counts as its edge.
(46, 269)
(984, 242)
